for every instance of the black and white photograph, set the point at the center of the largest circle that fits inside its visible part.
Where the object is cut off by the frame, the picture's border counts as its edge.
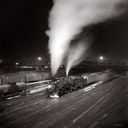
(64, 64)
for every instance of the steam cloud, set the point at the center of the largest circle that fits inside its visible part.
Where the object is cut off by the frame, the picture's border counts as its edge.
(74, 56)
(66, 20)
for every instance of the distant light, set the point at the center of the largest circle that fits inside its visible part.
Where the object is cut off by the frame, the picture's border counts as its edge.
(124, 60)
(39, 58)
(101, 57)
(17, 63)
(61, 66)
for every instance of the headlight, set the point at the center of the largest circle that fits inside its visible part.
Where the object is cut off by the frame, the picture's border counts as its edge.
(49, 86)
(85, 77)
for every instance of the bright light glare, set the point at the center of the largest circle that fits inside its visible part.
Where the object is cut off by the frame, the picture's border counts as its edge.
(101, 57)
(85, 77)
(54, 96)
(49, 86)
(39, 58)
(17, 63)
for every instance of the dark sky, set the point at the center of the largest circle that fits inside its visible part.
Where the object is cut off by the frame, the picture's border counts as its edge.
(22, 32)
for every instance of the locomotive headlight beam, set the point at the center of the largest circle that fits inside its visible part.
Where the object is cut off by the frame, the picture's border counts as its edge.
(49, 86)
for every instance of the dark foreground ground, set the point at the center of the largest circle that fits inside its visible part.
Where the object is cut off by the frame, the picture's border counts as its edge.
(96, 106)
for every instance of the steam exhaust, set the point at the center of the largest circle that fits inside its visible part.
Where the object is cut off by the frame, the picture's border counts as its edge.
(67, 19)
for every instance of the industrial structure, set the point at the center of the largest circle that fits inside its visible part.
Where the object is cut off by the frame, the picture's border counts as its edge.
(14, 66)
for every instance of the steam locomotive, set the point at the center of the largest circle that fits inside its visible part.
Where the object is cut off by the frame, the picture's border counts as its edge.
(61, 86)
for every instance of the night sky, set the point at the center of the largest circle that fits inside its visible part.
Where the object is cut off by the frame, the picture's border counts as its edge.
(22, 33)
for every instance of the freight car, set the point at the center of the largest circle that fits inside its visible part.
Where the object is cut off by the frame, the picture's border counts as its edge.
(12, 89)
(27, 76)
(7, 77)
(64, 85)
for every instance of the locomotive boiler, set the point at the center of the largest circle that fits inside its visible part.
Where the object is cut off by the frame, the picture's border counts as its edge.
(63, 85)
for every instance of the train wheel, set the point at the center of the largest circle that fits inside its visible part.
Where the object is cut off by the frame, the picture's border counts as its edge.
(70, 90)
(23, 93)
(78, 87)
(66, 91)
(3, 97)
(62, 92)
(59, 93)
(75, 88)
(81, 86)
(47, 96)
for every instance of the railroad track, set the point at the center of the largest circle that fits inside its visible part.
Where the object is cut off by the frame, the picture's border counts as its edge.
(47, 113)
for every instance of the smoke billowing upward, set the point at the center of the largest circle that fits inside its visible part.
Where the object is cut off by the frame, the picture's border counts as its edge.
(67, 19)
(75, 56)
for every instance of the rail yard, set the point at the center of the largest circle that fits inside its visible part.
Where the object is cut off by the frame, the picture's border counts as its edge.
(100, 104)
(64, 64)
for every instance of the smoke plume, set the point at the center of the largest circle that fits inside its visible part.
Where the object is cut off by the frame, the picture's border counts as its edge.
(75, 55)
(66, 20)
